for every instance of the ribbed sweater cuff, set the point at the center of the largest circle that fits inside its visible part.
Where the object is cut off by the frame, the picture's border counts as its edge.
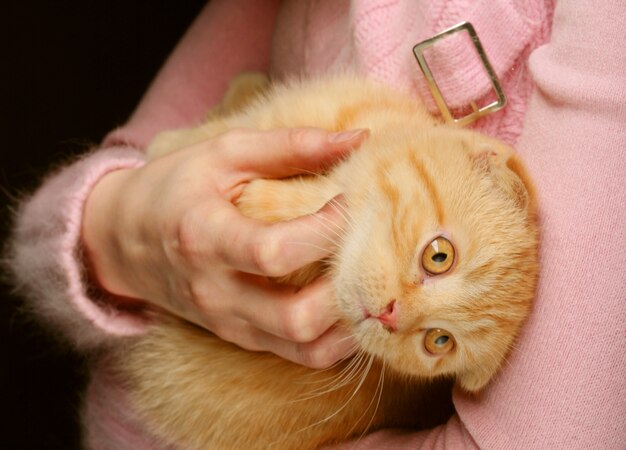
(45, 253)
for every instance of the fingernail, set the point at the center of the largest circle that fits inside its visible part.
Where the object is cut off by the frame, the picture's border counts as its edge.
(344, 136)
(338, 200)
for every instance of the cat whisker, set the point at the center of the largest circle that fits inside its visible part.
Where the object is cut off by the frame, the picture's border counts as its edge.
(330, 226)
(356, 389)
(353, 361)
(354, 351)
(308, 244)
(356, 356)
(341, 209)
(354, 347)
(304, 172)
(345, 377)
(378, 393)
(345, 213)
(322, 233)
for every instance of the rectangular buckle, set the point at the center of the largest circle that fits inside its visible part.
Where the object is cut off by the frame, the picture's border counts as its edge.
(419, 49)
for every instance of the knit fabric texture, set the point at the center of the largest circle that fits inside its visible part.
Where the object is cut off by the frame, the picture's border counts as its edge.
(562, 69)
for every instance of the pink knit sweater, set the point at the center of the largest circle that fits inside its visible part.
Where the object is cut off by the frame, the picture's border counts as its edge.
(564, 386)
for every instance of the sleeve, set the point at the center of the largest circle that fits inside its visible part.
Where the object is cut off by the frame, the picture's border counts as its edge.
(44, 252)
(564, 385)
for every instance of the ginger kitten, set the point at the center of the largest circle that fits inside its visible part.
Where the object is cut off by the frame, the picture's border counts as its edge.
(434, 275)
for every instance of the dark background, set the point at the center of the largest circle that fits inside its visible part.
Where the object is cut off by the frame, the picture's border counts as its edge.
(69, 72)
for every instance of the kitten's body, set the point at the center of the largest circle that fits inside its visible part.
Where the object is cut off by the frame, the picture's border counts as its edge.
(412, 181)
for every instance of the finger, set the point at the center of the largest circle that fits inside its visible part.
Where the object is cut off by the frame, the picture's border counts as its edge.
(336, 344)
(297, 316)
(277, 249)
(287, 151)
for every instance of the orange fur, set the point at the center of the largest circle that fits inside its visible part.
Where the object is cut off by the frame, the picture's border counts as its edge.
(412, 181)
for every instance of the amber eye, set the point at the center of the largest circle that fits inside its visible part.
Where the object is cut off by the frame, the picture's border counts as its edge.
(438, 256)
(438, 341)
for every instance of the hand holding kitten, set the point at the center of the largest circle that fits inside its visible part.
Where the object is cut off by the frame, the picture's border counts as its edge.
(169, 234)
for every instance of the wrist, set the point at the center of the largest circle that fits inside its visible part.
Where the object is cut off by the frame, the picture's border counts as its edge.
(100, 232)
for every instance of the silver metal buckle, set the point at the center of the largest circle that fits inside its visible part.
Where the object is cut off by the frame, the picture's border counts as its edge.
(477, 112)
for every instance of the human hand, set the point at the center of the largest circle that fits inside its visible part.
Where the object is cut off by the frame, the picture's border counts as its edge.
(169, 234)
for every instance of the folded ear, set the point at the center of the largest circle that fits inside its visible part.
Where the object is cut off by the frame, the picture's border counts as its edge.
(506, 170)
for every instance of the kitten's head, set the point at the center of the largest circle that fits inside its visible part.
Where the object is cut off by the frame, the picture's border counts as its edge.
(438, 268)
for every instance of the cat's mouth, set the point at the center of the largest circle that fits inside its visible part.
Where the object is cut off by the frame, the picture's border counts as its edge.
(387, 317)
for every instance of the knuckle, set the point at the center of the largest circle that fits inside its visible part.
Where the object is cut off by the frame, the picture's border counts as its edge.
(268, 254)
(297, 324)
(229, 139)
(297, 138)
(197, 298)
(226, 141)
(315, 356)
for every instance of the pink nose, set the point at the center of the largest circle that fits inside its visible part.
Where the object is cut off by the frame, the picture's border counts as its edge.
(389, 316)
